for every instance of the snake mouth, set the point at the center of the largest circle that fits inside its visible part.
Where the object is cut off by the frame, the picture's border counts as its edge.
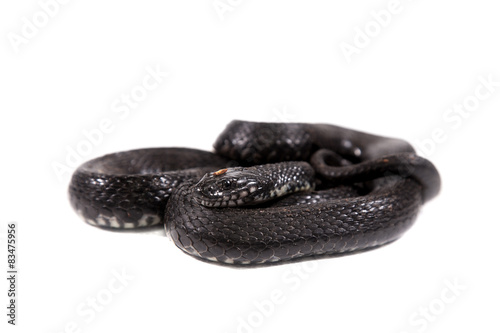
(223, 202)
(227, 188)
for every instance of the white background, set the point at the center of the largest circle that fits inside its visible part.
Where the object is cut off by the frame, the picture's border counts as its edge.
(262, 61)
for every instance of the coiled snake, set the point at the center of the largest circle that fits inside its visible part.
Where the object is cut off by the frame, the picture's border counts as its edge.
(271, 192)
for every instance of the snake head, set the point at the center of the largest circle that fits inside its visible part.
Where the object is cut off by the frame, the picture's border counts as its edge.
(227, 188)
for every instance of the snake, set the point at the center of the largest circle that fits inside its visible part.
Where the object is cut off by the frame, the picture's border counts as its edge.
(269, 193)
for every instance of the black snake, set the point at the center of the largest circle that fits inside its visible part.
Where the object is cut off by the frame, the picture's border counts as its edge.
(271, 192)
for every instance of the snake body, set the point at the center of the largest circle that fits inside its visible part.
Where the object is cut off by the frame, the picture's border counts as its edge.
(270, 193)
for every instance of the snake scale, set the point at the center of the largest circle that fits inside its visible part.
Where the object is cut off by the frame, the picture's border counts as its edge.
(271, 192)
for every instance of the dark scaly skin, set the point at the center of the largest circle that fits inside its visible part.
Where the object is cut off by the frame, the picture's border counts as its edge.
(402, 164)
(287, 231)
(348, 218)
(258, 143)
(130, 189)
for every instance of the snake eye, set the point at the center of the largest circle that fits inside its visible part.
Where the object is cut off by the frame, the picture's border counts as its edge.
(226, 184)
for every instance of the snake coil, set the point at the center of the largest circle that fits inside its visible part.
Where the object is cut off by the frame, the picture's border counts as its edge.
(270, 193)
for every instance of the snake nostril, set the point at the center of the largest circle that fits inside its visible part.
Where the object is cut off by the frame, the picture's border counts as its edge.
(212, 190)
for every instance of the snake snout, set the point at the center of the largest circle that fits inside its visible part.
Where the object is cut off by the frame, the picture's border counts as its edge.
(227, 188)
